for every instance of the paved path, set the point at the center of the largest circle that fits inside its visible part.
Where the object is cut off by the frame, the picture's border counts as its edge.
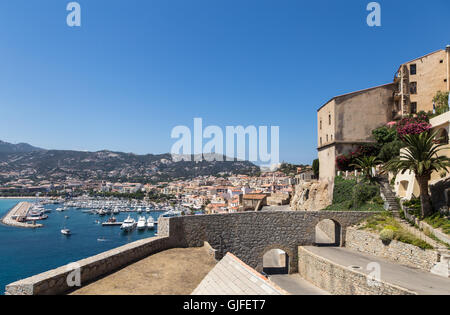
(419, 281)
(296, 285)
(175, 271)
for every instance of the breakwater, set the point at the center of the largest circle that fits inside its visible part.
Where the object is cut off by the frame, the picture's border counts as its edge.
(21, 210)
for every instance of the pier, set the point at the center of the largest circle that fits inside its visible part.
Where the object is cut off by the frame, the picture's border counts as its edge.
(17, 214)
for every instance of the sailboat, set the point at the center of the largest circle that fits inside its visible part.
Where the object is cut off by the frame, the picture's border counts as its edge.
(65, 230)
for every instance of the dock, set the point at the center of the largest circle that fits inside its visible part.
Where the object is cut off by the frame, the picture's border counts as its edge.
(112, 223)
(19, 213)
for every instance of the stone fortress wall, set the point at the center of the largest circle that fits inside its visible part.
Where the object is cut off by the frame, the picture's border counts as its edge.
(247, 235)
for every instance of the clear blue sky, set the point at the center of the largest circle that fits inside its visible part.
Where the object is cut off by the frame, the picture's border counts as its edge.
(135, 69)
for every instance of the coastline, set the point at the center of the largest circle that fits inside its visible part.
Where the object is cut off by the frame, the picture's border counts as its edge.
(22, 197)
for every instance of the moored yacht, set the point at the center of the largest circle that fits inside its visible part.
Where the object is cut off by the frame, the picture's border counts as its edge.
(150, 223)
(141, 225)
(129, 224)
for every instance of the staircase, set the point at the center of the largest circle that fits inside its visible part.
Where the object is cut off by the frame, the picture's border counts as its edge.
(389, 195)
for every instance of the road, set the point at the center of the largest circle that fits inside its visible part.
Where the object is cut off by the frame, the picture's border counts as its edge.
(274, 266)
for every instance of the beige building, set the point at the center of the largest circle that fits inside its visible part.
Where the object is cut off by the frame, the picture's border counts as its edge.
(417, 82)
(406, 186)
(346, 122)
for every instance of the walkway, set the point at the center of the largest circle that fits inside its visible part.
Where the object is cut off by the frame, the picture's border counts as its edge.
(409, 278)
(171, 272)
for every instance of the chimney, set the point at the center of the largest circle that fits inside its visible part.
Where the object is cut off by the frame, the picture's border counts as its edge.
(447, 48)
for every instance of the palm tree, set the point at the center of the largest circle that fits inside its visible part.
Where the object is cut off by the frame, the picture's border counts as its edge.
(366, 165)
(420, 156)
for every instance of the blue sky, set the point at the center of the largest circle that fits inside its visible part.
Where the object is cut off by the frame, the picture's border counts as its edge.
(136, 69)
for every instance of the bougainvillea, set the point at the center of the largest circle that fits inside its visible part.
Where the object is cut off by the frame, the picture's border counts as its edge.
(413, 125)
(344, 161)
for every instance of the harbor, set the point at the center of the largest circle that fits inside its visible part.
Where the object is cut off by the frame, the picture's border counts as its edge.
(41, 249)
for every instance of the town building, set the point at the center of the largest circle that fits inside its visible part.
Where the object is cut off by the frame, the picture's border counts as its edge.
(346, 122)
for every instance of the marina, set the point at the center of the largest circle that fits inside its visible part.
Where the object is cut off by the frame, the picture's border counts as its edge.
(28, 251)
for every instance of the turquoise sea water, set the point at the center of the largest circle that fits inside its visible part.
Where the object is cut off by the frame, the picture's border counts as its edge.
(26, 252)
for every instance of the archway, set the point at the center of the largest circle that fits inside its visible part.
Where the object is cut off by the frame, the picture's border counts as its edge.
(328, 233)
(276, 262)
(403, 188)
(442, 136)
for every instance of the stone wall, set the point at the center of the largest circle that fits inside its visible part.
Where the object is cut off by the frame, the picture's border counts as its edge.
(55, 281)
(340, 280)
(250, 235)
(247, 235)
(398, 252)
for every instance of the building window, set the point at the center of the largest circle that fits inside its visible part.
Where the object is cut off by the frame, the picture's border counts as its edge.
(413, 69)
(327, 138)
(413, 108)
(413, 87)
(320, 125)
(320, 140)
(329, 120)
(442, 61)
(331, 137)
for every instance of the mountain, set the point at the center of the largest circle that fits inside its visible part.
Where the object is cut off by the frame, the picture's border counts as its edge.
(58, 165)
(6, 147)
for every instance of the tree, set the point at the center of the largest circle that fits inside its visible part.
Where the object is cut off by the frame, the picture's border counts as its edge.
(420, 156)
(316, 168)
(366, 164)
(441, 102)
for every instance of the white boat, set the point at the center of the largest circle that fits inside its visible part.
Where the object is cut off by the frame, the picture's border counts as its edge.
(65, 231)
(147, 209)
(150, 223)
(59, 209)
(141, 225)
(139, 210)
(128, 225)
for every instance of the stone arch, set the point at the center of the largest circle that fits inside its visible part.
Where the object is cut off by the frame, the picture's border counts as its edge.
(328, 232)
(290, 257)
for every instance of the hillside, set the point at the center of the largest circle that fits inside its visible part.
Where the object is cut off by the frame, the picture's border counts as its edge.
(6, 147)
(55, 165)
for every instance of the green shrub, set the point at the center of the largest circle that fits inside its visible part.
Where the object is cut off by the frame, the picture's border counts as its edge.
(378, 200)
(387, 235)
(342, 189)
(364, 192)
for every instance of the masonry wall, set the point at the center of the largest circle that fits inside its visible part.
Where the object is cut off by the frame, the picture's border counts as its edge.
(55, 281)
(340, 280)
(250, 235)
(247, 235)
(398, 252)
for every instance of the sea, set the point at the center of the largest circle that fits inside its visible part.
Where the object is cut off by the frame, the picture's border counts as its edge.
(26, 252)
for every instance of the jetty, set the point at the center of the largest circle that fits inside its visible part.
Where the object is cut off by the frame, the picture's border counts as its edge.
(17, 216)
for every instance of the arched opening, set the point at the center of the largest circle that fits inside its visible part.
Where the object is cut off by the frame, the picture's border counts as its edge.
(328, 233)
(442, 136)
(403, 188)
(276, 262)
